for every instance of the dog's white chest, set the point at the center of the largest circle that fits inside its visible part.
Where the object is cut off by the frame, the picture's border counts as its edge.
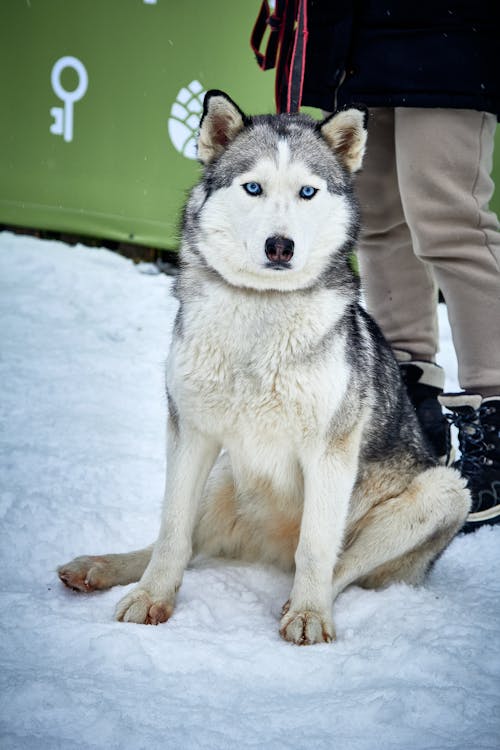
(248, 370)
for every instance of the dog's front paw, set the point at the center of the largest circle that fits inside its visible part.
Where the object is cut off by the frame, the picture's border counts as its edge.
(140, 607)
(306, 627)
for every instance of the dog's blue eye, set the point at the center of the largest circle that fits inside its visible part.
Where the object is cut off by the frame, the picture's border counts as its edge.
(253, 188)
(307, 192)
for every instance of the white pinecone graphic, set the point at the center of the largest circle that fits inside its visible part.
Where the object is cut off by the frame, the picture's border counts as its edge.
(185, 119)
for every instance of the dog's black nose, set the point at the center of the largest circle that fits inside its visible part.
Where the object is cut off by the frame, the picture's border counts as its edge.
(279, 249)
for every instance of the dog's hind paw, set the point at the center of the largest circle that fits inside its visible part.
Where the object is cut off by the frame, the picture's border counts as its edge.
(139, 607)
(87, 574)
(306, 628)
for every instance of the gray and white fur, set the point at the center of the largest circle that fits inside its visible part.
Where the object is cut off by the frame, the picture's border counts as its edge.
(291, 439)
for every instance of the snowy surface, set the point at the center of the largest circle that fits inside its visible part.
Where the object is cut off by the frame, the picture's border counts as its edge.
(84, 334)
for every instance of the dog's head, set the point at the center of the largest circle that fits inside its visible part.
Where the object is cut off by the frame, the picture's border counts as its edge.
(277, 203)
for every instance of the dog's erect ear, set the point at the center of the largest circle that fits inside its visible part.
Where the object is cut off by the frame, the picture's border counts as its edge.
(222, 120)
(345, 132)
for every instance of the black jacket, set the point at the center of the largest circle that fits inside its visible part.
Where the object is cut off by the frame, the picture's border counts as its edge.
(393, 53)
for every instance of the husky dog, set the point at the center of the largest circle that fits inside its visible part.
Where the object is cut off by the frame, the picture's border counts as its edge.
(291, 439)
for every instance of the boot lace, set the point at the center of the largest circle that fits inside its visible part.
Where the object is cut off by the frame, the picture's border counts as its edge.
(472, 440)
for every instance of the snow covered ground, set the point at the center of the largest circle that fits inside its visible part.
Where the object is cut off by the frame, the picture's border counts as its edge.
(84, 335)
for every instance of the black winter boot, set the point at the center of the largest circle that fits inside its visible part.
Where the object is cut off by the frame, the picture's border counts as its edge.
(478, 423)
(424, 382)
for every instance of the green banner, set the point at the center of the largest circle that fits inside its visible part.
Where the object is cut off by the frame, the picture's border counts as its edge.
(100, 106)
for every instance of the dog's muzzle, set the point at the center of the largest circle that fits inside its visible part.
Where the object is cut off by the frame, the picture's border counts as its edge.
(279, 251)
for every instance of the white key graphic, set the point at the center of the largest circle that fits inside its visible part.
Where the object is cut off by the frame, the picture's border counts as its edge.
(63, 116)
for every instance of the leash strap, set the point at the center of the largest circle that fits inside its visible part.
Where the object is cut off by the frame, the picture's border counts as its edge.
(267, 59)
(295, 82)
(285, 49)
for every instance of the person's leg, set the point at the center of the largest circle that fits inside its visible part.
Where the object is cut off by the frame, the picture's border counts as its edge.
(444, 159)
(399, 289)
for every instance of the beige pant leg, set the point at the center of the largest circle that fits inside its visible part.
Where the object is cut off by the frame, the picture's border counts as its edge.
(399, 289)
(444, 160)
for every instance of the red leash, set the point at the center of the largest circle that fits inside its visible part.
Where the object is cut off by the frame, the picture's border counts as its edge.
(285, 49)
